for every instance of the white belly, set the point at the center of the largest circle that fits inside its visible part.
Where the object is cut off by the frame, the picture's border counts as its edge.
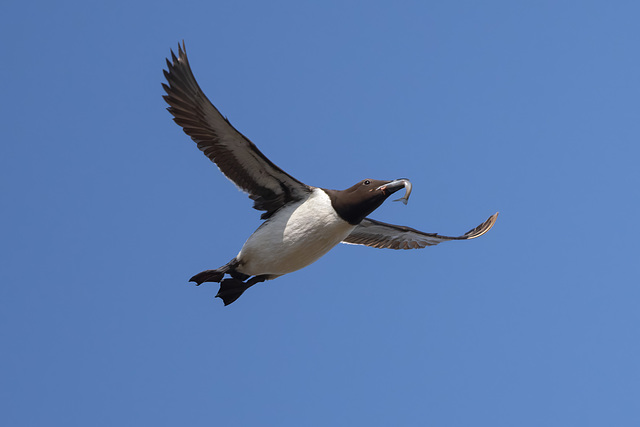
(294, 237)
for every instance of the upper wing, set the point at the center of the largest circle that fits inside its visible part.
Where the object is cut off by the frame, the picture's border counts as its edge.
(381, 235)
(237, 157)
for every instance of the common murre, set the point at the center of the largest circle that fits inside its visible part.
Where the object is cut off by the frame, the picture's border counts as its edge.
(302, 223)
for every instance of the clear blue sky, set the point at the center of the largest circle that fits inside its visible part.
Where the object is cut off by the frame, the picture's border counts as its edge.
(527, 108)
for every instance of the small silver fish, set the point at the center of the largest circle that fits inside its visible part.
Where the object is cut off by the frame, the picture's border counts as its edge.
(407, 186)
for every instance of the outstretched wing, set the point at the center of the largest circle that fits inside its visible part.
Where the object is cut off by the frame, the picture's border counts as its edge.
(381, 235)
(237, 157)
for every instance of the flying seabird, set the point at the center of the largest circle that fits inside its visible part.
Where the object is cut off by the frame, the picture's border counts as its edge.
(302, 223)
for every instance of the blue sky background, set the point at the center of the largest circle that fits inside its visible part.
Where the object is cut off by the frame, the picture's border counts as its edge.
(527, 108)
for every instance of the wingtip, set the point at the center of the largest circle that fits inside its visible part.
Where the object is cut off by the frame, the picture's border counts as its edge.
(493, 218)
(482, 228)
(182, 53)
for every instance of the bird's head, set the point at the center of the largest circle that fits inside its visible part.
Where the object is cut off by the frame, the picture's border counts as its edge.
(359, 200)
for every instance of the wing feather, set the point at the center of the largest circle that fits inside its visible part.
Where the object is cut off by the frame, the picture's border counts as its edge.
(234, 154)
(378, 234)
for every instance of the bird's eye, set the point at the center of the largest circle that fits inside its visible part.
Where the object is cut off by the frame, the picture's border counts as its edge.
(366, 182)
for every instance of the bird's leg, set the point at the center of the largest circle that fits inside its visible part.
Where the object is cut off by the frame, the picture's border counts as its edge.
(217, 274)
(231, 289)
(237, 275)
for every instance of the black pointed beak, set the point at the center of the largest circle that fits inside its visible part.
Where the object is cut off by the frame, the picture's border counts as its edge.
(395, 185)
(392, 186)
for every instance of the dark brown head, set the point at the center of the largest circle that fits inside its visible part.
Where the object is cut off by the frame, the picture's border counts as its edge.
(355, 203)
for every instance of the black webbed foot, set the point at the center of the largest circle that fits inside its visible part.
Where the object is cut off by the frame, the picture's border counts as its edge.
(231, 289)
(207, 276)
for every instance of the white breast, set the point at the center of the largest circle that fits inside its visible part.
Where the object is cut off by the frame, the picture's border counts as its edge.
(294, 237)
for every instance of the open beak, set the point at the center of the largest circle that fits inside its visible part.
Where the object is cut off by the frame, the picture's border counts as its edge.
(393, 186)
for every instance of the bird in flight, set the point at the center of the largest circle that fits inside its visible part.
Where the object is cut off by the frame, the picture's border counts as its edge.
(301, 222)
